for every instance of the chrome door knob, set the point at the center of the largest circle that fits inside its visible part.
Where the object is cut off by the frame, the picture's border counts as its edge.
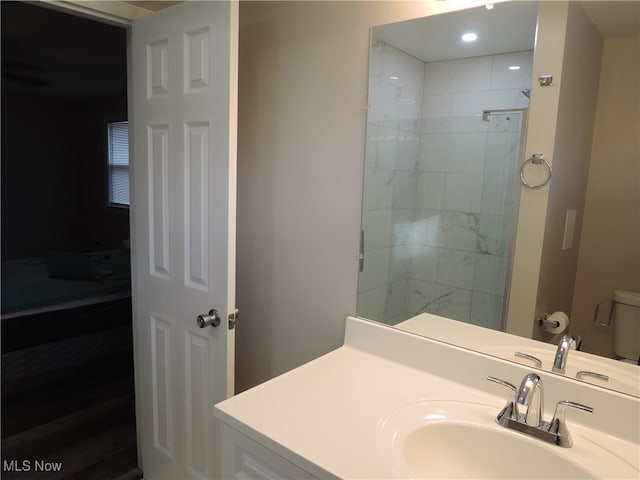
(212, 319)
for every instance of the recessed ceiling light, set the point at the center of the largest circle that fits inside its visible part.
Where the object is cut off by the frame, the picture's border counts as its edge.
(469, 37)
(394, 77)
(514, 67)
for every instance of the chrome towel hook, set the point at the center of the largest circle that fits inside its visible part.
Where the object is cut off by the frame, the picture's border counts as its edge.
(536, 159)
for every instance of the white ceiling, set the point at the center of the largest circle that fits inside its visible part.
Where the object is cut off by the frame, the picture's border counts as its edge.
(508, 27)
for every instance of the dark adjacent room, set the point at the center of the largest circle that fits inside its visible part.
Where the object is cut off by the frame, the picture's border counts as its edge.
(67, 361)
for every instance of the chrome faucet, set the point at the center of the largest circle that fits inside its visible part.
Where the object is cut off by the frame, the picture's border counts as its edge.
(566, 343)
(526, 408)
(528, 404)
(524, 412)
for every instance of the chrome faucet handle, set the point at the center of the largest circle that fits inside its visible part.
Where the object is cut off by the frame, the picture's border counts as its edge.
(558, 425)
(529, 401)
(586, 373)
(537, 362)
(508, 412)
(504, 383)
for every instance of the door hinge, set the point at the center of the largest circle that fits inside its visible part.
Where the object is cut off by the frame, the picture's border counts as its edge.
(233, 317)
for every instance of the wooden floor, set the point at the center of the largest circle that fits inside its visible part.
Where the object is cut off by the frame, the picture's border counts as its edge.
(76, 422)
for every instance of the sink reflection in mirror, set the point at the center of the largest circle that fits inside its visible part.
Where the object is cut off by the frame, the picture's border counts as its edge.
(453, 439)
(447, 133)
(622, 377)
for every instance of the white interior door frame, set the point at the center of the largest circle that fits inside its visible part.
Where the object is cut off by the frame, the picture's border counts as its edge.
(114, 13)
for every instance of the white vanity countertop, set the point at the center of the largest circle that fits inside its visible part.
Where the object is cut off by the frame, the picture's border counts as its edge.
(325, 415)
(327, 411)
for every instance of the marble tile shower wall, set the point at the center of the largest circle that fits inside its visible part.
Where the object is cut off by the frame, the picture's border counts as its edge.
(467, 179)
(396, 82)
(439, 204)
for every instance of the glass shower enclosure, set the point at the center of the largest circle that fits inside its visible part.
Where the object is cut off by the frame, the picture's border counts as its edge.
(439, 221)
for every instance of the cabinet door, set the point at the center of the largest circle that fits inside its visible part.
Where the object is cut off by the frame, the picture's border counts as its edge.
(244, 458)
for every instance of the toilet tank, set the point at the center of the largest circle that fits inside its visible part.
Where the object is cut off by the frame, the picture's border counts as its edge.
(626, 326)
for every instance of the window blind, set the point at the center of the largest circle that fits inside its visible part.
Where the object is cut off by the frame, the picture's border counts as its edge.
(118, 133)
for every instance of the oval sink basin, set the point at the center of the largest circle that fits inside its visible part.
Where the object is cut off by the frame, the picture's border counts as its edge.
(452, 439)
(457, 450)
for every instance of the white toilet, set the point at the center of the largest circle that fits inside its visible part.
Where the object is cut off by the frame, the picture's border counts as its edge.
(626, 325)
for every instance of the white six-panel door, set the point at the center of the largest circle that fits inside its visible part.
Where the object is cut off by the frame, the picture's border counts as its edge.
(183, 116)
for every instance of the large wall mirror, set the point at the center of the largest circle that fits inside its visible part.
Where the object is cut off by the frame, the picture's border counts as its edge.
(452, 111)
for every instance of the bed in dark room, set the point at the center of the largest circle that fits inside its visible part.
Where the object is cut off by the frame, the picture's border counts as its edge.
(67, 362)
(41, 306)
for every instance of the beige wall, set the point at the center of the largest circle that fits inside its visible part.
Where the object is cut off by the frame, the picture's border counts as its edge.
(303, 92)
(572, 150)
(610, 248)
(541, 137)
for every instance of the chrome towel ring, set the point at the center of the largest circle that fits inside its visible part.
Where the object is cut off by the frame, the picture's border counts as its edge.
(536, 159)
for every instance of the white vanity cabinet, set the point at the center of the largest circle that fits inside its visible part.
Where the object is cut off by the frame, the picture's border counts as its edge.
(244, 458)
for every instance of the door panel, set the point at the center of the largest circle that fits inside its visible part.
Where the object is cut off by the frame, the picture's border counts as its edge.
(184, 62)
(159, 200)
(161, 381)
(196, 213)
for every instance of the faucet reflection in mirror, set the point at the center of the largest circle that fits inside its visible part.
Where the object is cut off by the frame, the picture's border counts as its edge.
(439, 187)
